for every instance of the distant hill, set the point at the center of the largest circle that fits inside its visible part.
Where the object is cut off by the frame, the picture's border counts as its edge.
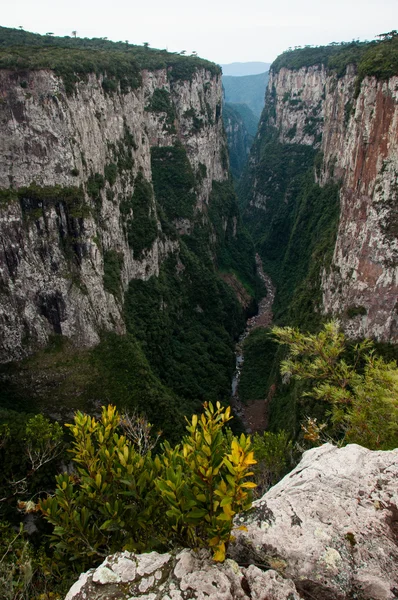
(239, 69)
(248, 117)
(249, 90)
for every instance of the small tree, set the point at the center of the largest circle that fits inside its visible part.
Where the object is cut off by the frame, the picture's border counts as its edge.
(361, 388)
(41, 444)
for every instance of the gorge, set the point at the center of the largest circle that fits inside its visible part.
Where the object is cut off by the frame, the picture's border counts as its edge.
(128, 261)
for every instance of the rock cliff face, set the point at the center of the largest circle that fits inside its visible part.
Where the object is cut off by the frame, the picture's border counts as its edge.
(353, 128)
(71, 168)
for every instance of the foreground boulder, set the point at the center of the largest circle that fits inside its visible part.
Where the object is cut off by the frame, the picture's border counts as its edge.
(327, 531)
(331, 525)
(177, 576)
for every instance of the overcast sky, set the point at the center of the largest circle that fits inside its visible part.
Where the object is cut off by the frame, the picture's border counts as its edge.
(221, 30)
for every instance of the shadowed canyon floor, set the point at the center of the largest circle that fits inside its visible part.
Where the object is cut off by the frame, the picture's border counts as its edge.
(254, 414)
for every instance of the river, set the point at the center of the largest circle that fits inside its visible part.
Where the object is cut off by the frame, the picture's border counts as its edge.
(253, 415)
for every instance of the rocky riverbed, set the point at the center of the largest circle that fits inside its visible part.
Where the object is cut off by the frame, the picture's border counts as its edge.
(253, 415)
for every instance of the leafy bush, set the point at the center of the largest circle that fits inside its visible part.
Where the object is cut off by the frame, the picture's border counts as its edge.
(110, 503)
(121, 499)
(204, 482)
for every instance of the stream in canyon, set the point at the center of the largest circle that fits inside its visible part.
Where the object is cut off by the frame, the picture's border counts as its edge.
(254, 414)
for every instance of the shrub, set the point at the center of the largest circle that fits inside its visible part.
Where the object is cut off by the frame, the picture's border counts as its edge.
(121, 499)
(274, 455)
(204, 482)
(110, 503)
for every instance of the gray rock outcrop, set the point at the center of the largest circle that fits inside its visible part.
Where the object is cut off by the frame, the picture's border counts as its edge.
(331, 525)
(187, 574)
(327, 531)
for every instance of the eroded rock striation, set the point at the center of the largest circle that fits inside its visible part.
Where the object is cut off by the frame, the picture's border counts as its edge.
(328, 530)
(70, 166)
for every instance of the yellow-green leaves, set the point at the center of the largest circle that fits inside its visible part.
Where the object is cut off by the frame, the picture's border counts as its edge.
(120, 499)
(113, 489)
(205, 485)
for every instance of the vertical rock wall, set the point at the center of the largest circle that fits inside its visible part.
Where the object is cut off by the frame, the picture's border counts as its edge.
(68, 169)
(357, 138)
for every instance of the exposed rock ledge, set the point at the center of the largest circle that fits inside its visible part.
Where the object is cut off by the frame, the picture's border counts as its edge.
(330, 529)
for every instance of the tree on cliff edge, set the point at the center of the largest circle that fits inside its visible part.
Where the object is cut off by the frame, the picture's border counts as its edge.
(360, 387)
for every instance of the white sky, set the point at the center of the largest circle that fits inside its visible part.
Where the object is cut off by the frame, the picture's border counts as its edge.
(221, 30)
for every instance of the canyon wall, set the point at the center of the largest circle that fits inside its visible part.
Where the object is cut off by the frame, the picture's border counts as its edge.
(75, 168)
(344, 131)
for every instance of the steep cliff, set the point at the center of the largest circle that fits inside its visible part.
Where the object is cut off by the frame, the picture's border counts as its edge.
(321, 189)
(240, 126)
(112, 160)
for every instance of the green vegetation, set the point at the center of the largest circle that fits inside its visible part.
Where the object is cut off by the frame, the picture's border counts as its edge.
(141, 225)
(110, 173)
(185, 320)
(354, 311)
(378, 57)
(186, 495)
(334, 56)
(70, 379)
(27, 572)
(361, 388)
(247, 115)
(204, 482)
(161, 102)
(113, 264)
(238, 137)
(95, 184)
(173, 181)
(118, 497)
(274, 456)
(381, 59)
(296, 232)
(35, 200)
(259, 351)
(119, 63)
(233, 247)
